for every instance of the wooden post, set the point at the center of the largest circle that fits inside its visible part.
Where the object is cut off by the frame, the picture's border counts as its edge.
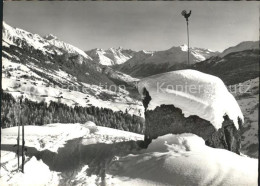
(18, 146)
(23, 142)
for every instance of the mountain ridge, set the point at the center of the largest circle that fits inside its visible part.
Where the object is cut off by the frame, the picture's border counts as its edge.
(245, 45)
(111, 56)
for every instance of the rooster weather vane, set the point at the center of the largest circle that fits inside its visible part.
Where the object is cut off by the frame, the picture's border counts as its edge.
(186, 16)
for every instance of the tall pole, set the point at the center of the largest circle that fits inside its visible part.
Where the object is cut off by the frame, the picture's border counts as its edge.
(23, 142)
(18, 145)
(188, 42)
(186, 16)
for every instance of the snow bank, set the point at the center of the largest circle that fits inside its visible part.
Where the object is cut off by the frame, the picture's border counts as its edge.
(184, 160)
(51, 136)
(35, 173)
(169, 160)
(194, 92)
(91, 126)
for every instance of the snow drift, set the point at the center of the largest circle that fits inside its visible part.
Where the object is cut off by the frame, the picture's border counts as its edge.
(195, 93)
(169, 160)
(184, 160)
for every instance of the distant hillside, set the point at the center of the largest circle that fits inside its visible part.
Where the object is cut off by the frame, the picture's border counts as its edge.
(233, 68)
(246, 45)
(238, 64)
(47, 69)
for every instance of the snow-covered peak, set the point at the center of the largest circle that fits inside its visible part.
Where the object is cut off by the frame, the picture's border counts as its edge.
(22, 38)
(194, 92)
(113, 49)
(111, 56)
(50, 37)
(184, 47)
(246, 45)
(146, 52)
(18, 37)
(172, 56)
(68, 47)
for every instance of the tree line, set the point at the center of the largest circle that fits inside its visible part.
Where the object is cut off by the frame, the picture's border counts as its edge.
(14, 112)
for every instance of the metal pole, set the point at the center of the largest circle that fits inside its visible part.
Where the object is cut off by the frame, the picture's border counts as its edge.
(186, 16)
(188, 42)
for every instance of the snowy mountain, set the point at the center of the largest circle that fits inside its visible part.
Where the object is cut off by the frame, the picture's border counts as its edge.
(112, 56)
(145, 63)
(47, 69)
(62, 84)
(174, 55)
(117, 56)
(48, 44)
(246, 45)
(65, 46)
(20, 38)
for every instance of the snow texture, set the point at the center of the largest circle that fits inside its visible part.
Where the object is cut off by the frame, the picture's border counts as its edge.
(195, 93)
(169, 160)
(185, 160)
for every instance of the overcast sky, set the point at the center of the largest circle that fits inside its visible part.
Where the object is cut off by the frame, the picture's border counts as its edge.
(138, 25)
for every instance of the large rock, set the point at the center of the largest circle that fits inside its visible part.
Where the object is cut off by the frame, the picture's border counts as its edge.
(167, 119)
(173, 121)
(189, 101)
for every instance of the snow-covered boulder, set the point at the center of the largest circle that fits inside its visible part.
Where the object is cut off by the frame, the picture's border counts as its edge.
(184, 160)
(194, 102)
(91, 126)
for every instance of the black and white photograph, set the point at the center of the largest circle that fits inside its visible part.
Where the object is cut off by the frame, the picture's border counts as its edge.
(130, 93)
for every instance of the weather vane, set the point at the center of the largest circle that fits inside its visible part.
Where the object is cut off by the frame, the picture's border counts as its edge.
(186, 16)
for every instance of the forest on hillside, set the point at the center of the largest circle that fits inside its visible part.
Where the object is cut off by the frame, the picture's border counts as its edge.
(14, 112)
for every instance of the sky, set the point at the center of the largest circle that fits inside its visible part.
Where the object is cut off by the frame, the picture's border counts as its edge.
(156, 25)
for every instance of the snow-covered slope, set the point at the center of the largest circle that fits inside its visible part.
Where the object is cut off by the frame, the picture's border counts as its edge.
(195, 93)
(246, 45)
(19, 37)
(185, 160)
(137, 59)
(27, 80)
(65, 46)
(111, 56)
(49, 44)
(47, 69)
(70, 154)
